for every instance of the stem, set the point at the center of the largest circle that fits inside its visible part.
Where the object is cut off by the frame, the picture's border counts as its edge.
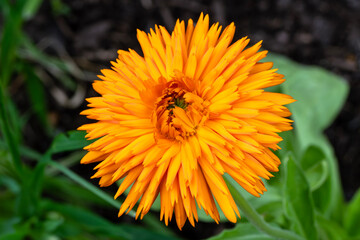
(257, 220)
(67, 162)
(149, 220)
(107, 198)
(9, 138)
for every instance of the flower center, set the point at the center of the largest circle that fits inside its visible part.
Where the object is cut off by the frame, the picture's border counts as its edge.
(178, 113)
(177, 102)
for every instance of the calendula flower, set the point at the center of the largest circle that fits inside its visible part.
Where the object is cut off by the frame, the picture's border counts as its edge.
(175, 120)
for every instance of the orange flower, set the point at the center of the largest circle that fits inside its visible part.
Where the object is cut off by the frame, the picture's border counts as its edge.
(174, 121)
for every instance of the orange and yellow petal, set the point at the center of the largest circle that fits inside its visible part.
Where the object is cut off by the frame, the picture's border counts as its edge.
(173, 121)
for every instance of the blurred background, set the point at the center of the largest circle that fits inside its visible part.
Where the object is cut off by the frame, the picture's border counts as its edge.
(65, 43)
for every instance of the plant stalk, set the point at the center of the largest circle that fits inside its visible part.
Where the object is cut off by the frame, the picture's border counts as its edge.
(149, 220)
(257, 220)
(9, 137)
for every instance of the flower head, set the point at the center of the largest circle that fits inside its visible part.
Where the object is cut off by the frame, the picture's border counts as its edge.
(175, 120)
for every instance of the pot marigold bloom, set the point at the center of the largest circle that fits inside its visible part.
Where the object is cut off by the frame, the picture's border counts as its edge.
(175, 120)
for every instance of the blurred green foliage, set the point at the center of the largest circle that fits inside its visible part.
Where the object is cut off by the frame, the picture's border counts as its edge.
(38, 203)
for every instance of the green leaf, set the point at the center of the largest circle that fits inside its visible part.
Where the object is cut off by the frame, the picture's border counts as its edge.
(31, 8)
(9, 132)
(288, 144)
(98, 225)
(90, 187)
(31, 189)
(37, 96)
(9, 183)
(330, 230)
(28, 199)
(7, 167)
(352, 216)
(17, 121)
(7, 225)
(59, 7)
(73, 140)
(18, 235)
(17, 230)
(9, 41)
(317, 175)
(311, 157)
(52, 221)
(242, 231)
(62, 187)
(297, 200)
(269, 206)
(78, 214)
(5, 8)
(315, 166)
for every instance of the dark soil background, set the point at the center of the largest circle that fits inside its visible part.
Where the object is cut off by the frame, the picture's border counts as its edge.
(89, 33)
